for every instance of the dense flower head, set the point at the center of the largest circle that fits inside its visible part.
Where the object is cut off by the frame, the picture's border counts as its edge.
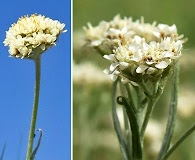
(135, 48)
(32, 34)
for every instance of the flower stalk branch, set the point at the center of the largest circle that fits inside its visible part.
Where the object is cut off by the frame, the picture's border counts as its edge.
(148, 113)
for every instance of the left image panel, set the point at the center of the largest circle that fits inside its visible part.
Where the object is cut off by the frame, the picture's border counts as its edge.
(35, 83)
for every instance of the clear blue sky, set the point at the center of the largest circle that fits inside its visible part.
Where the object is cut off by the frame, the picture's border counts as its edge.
(17, 86)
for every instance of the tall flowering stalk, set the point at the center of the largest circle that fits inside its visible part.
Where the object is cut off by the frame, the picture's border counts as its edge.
(142, 57)
(28, 39)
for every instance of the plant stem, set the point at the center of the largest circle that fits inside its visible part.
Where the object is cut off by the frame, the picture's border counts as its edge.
(130, 96)
(151, 103)
(37, 61)
(152, 99)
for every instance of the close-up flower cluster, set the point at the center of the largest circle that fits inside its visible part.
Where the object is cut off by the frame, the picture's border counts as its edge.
(135, 48)
(32, 34)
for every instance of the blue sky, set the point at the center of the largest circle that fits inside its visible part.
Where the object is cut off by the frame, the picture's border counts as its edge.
(17, 86)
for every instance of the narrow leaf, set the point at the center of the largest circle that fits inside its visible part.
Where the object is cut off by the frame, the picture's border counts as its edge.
(136, 142)
(37, 146)
(3, 152)
(117, 126)
(183, 137)
(172, 114)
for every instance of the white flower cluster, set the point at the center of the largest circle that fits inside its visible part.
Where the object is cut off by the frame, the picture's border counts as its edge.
(30, 33)
(138, 47)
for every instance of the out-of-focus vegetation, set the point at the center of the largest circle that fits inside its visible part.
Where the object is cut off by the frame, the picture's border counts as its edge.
(94, 137)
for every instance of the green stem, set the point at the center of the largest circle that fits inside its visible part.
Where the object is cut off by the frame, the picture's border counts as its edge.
(145, 88)
(147, 116)
(37, 61)
(142, 101)
(183, 137)
(130, 96)
(152, 99)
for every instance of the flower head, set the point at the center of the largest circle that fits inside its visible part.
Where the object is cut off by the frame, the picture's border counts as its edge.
(32, 35)
(145, 58)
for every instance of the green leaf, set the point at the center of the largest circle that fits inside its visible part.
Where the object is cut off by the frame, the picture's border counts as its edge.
(181, 139)
(37, 146)
(3, 151)
(136, 143)
(172, 114)
(117, 127)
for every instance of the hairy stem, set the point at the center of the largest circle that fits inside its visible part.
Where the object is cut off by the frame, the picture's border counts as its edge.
(37, 61)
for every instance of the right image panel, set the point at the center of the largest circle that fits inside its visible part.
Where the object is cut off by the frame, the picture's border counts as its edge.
(132, 88)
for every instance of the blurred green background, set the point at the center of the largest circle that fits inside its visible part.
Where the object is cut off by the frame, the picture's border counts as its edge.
(94, 137)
